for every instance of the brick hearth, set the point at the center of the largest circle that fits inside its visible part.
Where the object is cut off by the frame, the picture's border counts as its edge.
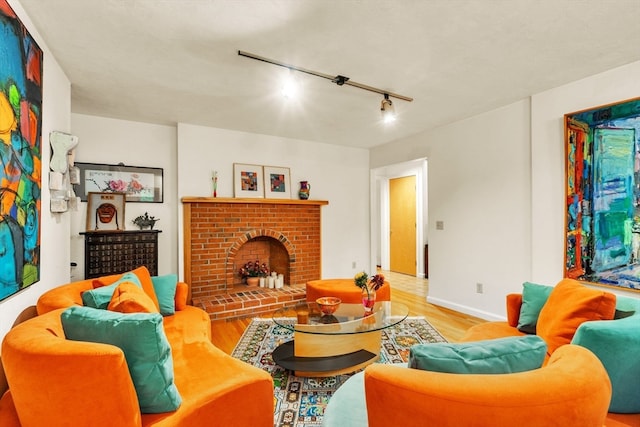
(222, 234)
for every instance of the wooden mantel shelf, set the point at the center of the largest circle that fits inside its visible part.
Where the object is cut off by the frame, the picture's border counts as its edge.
(257, 201)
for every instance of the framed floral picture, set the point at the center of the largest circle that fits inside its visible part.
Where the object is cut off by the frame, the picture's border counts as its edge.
(105, 211)
(247, 181)
(277, 182)
(140, 184)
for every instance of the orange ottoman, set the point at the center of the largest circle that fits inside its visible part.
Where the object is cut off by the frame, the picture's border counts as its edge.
(345, 289)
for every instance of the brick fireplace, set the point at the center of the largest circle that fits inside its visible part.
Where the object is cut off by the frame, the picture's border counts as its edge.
(221, 235)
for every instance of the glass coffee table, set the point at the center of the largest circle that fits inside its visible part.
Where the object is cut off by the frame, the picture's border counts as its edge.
(326, 345)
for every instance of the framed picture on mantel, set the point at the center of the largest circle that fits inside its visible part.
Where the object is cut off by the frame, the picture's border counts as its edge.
(247, 181)
(277, 184)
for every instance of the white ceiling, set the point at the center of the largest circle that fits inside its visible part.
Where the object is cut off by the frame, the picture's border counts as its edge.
(169, 61)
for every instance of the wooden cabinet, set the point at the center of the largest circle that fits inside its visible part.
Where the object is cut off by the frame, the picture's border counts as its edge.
(113, 252)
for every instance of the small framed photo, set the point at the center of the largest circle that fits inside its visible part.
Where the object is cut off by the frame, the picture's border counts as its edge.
(277, 183)
(247, 181)
(105, 211)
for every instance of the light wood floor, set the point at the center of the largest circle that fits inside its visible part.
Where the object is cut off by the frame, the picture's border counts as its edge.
(408, 290)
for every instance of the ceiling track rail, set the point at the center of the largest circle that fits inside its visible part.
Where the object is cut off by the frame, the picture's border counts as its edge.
(340, 80)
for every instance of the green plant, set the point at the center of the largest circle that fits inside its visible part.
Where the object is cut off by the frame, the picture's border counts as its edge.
(363, 282)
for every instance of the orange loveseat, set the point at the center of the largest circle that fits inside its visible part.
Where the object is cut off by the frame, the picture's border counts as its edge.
(54, 381)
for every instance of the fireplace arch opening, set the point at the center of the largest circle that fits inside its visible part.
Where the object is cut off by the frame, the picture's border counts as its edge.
(274, 252)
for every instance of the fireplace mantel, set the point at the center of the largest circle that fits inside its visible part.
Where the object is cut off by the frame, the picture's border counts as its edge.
(217, 229)
(258, 201)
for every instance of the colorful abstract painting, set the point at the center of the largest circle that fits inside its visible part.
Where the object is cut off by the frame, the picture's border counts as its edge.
(20, 154)
(602, 240)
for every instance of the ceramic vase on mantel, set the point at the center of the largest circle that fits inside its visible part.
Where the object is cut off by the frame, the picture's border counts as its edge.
(305, 187)
(253, 281)
(368, 300)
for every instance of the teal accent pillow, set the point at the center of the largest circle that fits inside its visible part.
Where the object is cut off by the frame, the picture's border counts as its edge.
(101, 296)
(165, 287)
(498, 356)
(145, 347)
(534, 297)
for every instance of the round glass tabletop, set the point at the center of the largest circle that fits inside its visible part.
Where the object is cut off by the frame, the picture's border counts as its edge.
(347, 319)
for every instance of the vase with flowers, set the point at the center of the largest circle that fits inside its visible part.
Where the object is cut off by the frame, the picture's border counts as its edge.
(252, 271)
(369, 287)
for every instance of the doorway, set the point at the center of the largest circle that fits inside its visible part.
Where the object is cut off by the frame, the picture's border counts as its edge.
(381, 206)
(402, 225)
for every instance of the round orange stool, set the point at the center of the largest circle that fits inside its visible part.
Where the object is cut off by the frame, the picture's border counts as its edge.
(345, 289)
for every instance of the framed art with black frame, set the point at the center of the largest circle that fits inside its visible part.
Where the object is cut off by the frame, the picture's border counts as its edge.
(140, 184)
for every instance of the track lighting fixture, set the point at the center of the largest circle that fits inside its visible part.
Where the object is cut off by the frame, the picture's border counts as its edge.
(387, 105)
(388, 112)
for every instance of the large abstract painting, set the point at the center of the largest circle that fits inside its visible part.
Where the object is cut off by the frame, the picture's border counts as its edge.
(602, 241)
(20, 154)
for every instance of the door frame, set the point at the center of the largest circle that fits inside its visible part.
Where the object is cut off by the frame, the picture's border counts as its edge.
(380, 211)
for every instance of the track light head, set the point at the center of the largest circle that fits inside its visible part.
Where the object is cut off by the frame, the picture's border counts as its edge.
(340, 80)
(387, 110)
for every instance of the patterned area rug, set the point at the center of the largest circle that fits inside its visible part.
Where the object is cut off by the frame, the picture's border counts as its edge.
(299, 401)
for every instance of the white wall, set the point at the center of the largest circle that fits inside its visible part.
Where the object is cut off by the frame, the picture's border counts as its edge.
(54, 237)
(111, 141)
(497, 182)
(478, 185)
(337, 174)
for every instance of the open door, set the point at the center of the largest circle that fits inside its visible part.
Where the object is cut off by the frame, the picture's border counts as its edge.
(402, 225)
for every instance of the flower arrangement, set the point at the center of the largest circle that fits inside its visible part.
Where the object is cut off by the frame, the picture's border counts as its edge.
(254, 269)
(373, 284)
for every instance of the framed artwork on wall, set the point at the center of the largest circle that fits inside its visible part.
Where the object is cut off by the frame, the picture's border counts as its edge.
(21, 172)
(602, 184)
(277, 183)
(105, 211)
(247, 181)
(140, 184)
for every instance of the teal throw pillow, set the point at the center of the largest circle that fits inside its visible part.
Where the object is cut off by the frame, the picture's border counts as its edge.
(145, 347)
(534, 297)
(101, 296)
(165, 287)
(498, 356)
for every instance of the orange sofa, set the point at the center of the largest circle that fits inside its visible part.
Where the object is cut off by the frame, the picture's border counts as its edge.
(609, 340)
(572, 390)
(58, 382)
